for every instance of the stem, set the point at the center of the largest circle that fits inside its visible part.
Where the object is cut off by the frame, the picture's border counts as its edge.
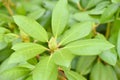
(94, 29)
(7, 4)
(80, 7)
(108, 30)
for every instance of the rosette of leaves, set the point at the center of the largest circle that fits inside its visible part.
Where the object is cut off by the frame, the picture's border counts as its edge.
(54, 53)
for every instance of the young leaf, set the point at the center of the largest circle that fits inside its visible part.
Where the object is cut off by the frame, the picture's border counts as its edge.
(88, 47)
(60, 17)
(45, 69)
(31, 27)
(71, 75)
(63, 57)
(25, 51)
(14, 73)
(77, 31)
(109, 56)
(109, 12)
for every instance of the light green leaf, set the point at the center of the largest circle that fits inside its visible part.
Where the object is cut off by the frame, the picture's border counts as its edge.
(5, 65)
(92, 3)
(118, 44)
(88, 47)
(5, 18)
(84, 64)
(109, 12)
(111, 73)
(84, 16)
(36, 14)
(99, 72)
(29, 78)
(115, 1)
(77, 31)
(71, 75)
(31, 27)
(25, 51)
(63, 57)
(14, 73)
(60, 17)
(46, 69)
(109, 56)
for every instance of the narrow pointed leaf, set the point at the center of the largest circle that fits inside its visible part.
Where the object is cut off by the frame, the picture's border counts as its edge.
(31, 27)
(77, 31)
(60, 17)
(88, 47)
(25, 51)
(46, 69)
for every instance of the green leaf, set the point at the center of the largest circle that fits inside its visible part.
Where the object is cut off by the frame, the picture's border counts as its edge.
(84, 64)
(118, 44)
(77, 31)
(31, 27)
(71, 75)
(25, 51)
(84, 16)
(6, 66)
(114, 36)
(111, 73)
(88, 47)
(46, 69)
(63, 57)
(109, 56)
(99, 72)
(36, 14)
(5, 18)
(14, 73)
(29, 78)
(115, 1)
(109, 13)
(92, 3)
(60, 17)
